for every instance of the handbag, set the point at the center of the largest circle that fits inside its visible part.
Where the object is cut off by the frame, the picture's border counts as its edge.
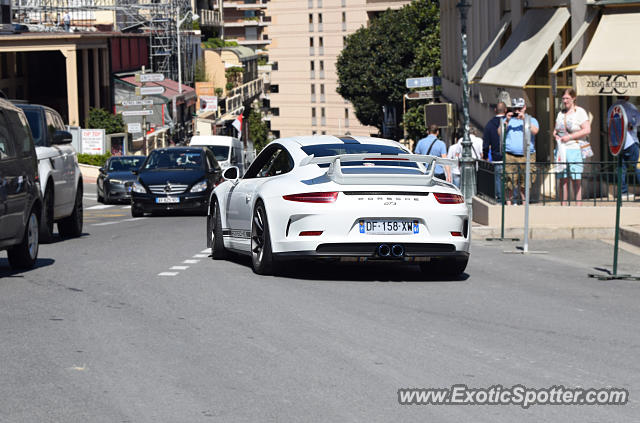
(560, 159)
(585, 149)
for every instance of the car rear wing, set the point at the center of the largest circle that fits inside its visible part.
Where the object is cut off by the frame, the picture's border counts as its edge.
(335, 168)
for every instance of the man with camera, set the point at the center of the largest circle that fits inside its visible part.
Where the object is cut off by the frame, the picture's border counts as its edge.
(515, 159)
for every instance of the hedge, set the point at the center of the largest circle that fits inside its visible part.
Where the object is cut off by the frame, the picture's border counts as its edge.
(93, 159)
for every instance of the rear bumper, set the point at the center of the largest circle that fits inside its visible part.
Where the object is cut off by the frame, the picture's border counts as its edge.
(411, 252)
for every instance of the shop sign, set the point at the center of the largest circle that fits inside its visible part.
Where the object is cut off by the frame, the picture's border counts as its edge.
(608, 84)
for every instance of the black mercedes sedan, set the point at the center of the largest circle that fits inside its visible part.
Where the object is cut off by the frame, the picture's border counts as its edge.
(175, 178)
(116, 177)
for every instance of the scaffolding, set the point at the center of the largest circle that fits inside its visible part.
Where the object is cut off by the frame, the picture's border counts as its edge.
(158, 18)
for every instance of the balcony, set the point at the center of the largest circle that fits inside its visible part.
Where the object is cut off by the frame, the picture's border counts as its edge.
(258, 5)
(210, 18)
(244, 93)
(257, 21)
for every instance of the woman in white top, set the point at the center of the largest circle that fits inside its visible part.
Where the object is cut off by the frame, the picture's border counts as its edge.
(572, 126)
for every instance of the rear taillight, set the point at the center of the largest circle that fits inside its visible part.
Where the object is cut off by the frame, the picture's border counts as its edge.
(444, 198)
(310, 233)
(313, 197)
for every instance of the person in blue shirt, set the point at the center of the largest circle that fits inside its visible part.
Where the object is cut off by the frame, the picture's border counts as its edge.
(514, 148)
(431, 145)
(631, 147)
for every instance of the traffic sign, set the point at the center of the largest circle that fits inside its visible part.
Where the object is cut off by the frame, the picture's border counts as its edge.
(134, 127)
(137, 102)
(149, 77)
(617, 122)
(137, 112)
(149, 90)
(419, 95)
(427, 81)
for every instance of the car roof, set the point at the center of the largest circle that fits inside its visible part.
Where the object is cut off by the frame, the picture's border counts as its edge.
(6, 104)
(35, 106)
(306, 140)
(185, 149)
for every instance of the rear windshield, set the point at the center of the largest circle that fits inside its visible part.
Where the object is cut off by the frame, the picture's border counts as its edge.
(220, 151)
(125, 163)
(33, 116)
(174, 159)
(324, 150)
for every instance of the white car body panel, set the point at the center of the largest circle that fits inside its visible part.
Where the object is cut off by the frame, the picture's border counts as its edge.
(59, 165)
(339, 220)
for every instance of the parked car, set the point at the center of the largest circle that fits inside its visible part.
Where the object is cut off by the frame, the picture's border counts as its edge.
(116, 177)
(229, 151)
(20, 201)
(175, 178)
(349, 198)
(60, 177)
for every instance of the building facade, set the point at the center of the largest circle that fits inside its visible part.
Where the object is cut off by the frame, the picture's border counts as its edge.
(535, 49)
(306, 38)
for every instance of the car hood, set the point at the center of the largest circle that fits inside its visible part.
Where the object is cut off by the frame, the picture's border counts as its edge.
(122, 175)
(161, 177)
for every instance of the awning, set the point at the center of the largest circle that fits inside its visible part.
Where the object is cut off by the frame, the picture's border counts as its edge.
(504, 23)
(611, 66)
(526, 48)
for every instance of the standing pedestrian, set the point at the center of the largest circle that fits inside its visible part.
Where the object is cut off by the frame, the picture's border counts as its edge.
(455, 152)
(66, 21)
(492, 145)
(515, 159)
(431, 145)
(631, 148)
(572, 126)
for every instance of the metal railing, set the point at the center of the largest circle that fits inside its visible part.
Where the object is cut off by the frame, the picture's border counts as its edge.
(597, 182)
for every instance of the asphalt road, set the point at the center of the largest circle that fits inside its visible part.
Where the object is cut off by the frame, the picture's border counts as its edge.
(133, 322)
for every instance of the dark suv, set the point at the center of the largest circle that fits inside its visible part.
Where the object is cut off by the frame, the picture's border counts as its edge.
(20, 200)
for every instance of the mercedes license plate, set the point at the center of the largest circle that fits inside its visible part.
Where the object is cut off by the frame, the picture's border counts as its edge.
(164, 200)
(392, 227)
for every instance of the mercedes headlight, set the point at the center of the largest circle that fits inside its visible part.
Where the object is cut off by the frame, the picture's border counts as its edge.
(199, 187)
(116, 181)
(137, 187)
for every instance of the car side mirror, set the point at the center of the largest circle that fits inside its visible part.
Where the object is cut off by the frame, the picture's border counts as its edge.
(101, 170)
(231, 174)
(62, 137)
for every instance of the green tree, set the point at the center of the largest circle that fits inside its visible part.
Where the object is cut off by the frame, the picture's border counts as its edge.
(201, 71)
(102, 119)
(258, 129)
(377, 59)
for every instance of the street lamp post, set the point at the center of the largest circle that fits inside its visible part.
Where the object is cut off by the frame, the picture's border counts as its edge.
(468, 168)
(179, 22)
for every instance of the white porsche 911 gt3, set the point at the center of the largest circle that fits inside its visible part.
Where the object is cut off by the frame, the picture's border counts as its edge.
(347, 198)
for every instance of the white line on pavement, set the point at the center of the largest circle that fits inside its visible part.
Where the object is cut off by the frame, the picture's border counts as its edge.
(106, 223)
(167, 273)
(208, 251)
(200, 255)
(179, 267)
(113, 222)
(99, 207)
(191, 261)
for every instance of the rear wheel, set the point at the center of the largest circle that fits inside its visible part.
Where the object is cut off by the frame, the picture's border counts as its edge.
(446, 267)
(262, 259)
(218, 251)
(24, 255)
(46, 224)
(71, 226)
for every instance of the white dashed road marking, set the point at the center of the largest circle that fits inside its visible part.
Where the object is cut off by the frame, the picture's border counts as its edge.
(167, 273)
(179, 267)
(99, 207)
(200, 255)
(191, 261)
(118, 221)
(208, 251)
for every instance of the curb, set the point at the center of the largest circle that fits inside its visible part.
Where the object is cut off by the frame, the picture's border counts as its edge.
(630, 234)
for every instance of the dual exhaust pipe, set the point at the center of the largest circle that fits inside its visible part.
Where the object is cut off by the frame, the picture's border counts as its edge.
(395, 250)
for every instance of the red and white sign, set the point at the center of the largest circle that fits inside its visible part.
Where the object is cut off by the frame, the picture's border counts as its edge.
(208, 103)
(92, 141)
(617, 124)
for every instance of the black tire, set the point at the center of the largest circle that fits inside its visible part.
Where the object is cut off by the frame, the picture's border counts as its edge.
(447, 268)
(71, 226)
(262, 260)
(25, 254)
(46, 221)
(218, 252)
(136, 211)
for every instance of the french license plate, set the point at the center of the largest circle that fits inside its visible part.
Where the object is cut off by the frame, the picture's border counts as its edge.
(393, 227)
(164, 200)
